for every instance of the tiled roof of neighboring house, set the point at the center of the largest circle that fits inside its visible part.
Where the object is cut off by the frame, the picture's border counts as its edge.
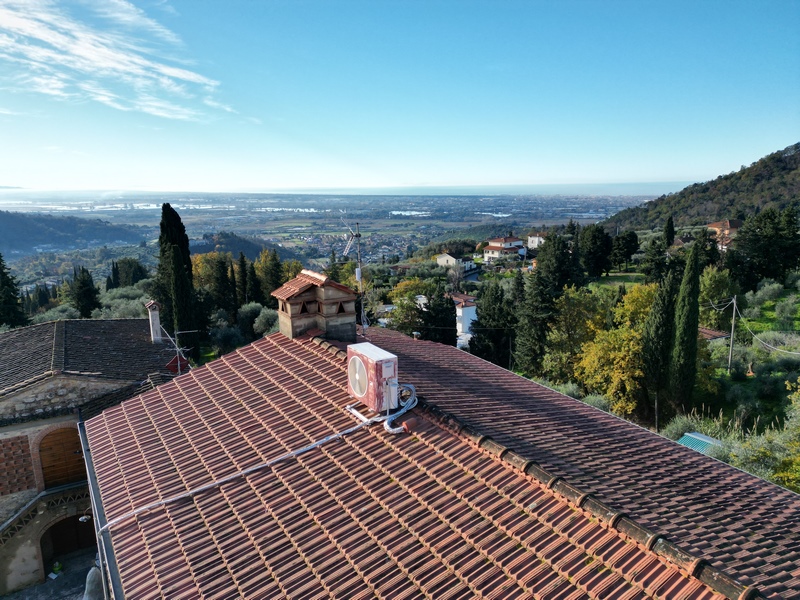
(440, 513)
(740, 523)
(305, 280)
(726, 224)
(463, 300)
(510, 250)
(505, 240)
(698, 441)
(712, 334)
(108, 348)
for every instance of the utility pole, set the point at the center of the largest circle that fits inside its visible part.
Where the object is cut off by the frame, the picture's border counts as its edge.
(733, 325)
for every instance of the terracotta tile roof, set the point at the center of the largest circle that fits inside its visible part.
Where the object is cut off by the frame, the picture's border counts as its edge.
(741, 524)
(108, 348)
(505, 240)
(441, 513)
(712, 334)
(305, 280)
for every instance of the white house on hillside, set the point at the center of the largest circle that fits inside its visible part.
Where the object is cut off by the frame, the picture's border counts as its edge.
(505, 246)
(448, 260)
(535, 240)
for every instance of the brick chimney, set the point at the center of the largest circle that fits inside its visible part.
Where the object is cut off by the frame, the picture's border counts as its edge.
(153, 309)
(313, 301)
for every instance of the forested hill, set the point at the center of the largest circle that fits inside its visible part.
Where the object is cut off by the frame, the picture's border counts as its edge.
(227, 241)
(23, 232)
(773, 181)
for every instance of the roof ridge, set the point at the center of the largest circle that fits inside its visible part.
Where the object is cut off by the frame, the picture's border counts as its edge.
(58, 360)
(658, 544)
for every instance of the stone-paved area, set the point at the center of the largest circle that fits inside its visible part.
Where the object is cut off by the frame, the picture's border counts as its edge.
(68, 586)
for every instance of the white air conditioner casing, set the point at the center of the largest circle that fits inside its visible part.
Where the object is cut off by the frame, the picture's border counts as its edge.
(372, 376)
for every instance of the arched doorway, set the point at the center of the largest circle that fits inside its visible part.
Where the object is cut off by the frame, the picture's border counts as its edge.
(64, 538)
(61, 457)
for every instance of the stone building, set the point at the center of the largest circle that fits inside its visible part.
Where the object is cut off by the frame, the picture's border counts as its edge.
(49, 373)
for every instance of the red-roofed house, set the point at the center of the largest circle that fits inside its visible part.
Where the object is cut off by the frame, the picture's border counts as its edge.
(510, 246)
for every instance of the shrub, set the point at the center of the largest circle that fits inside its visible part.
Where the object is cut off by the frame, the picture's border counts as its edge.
(597, 401)
(226, 338)
(63, 311)
(753, 313)
(266, 322)
(680, 425)
(246, 317)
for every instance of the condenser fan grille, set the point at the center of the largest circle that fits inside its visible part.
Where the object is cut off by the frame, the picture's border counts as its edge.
(357, 373)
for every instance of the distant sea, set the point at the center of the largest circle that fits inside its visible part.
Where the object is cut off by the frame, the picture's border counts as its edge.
(655, 188)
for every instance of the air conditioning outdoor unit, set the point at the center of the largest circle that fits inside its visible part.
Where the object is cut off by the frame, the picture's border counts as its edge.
(372, 376)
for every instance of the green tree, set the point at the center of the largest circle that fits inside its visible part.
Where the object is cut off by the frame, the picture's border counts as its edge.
(492, 329)
(595, 250)
(655, 264)
(533, 320)
(83, 294)
(683, 367)
(334, 268)
(570, 329)
(555, 262)
(270, 272)
(181, 293)
(254, 291)
(657, 341)
(172, 233)
(669, 232)
(623, 247)
(11, 309)
(439, 318)
(716, 286)
(766, 246)
(241, 283)
(131, 271)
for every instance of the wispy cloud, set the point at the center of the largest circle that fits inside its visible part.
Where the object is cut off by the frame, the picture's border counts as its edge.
(114, 55)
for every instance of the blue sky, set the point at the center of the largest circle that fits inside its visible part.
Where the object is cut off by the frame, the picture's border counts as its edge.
(265, 95)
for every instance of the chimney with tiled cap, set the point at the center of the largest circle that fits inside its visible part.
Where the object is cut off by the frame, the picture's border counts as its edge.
(314, 301)
(153, 309)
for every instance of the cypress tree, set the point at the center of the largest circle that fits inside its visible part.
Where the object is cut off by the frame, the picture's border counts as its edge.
(533, 316)
(12, 312)
(172, 233)
(669, 232)
(439, 318)
(241, 281)
(683, 368)
(273, 277)
(233, 291)
(657, 340)
(181, 294)
(115, 274)
(83, 294)
(254, 292)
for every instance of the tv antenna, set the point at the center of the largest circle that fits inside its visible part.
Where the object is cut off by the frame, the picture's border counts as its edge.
(181, 362)
(355, 236)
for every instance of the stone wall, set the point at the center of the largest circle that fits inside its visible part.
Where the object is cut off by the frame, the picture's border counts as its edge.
(53, 394)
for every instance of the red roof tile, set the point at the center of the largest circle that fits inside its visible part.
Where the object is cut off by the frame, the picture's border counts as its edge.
(712, 334)
(442, 513)
(741, 524)
(305, 280)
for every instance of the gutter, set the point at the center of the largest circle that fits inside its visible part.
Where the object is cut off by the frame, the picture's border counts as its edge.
(108, 563)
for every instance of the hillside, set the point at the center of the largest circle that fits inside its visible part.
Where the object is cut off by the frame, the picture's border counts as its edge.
(226, 241)
(773, 181)
(23, 233)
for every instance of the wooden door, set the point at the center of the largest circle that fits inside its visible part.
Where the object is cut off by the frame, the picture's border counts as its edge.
(61, 456)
